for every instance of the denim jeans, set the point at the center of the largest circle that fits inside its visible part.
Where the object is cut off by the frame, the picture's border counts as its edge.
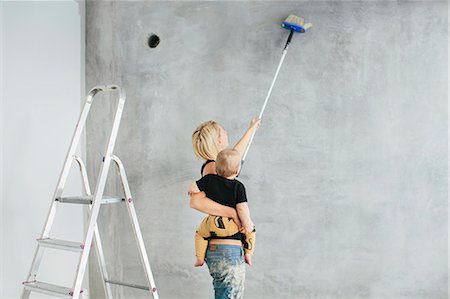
(227, 268)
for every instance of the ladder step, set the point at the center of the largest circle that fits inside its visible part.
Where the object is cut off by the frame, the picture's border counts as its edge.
(127, 284)
(49, 289)
(61, 244)
(87, 200)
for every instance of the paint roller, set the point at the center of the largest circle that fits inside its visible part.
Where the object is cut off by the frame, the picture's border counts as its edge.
(294, 24)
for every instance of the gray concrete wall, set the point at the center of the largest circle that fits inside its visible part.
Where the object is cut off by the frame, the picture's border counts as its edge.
(347, 177)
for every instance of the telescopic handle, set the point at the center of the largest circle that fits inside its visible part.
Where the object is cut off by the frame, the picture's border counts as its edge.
(289, 39)
(268, 95)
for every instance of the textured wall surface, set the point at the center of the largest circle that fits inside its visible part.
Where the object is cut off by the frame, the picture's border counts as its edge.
(347, 177)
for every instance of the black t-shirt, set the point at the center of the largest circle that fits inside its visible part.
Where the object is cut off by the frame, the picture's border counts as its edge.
(222, 190)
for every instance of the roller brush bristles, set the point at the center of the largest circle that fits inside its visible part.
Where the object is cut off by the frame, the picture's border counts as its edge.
(296, 23)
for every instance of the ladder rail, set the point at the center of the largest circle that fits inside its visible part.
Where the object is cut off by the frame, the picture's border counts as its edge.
(38, 254)
(69, 157)
(94, 203)
(136, 228)
(98, 243)
(84, 176)
(98, 193)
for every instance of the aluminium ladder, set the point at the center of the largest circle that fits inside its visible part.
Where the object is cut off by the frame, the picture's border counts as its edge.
(94, 201)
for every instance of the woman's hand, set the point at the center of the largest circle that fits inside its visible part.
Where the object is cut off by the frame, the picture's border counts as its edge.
(241, 145)
(255, 123)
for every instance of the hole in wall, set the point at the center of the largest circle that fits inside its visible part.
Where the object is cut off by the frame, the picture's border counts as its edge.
(153, 41)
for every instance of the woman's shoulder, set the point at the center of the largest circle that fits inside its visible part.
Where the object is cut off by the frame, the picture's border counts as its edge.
(209, 167)
(208, 161)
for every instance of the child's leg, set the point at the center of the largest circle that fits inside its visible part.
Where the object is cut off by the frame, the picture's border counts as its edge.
(200, 243)
(249, 245)
(212, 226)
(200, 249)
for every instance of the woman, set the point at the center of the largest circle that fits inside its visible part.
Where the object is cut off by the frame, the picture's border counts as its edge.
(224, 257)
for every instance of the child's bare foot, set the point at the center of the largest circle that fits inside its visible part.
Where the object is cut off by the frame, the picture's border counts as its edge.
(199, 263)
(248, 259)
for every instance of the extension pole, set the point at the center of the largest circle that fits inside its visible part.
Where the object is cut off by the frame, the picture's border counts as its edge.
(269, 93)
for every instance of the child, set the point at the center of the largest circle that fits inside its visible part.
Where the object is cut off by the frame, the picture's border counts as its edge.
(226, 190)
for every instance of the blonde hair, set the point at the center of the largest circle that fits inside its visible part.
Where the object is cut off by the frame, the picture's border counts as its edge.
(228, 162)
(204, 140)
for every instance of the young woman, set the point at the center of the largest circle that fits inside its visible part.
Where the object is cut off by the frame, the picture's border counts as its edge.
(224, 257)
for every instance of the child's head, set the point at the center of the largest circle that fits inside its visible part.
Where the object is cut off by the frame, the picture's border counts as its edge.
(208, 140)
(228, 163)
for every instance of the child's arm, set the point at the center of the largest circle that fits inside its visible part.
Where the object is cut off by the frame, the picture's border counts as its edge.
(244, 215)
(241, 145)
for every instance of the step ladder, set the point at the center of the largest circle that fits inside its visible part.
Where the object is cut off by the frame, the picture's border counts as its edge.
(93, 201)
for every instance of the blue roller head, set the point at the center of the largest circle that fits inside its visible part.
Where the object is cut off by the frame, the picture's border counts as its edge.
(295, 27)
(296, 23)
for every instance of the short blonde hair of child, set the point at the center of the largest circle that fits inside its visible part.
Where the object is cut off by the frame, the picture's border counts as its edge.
(204, 140)
(228, 162)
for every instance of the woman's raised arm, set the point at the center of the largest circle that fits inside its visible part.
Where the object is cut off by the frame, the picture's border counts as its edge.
(241, 145)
